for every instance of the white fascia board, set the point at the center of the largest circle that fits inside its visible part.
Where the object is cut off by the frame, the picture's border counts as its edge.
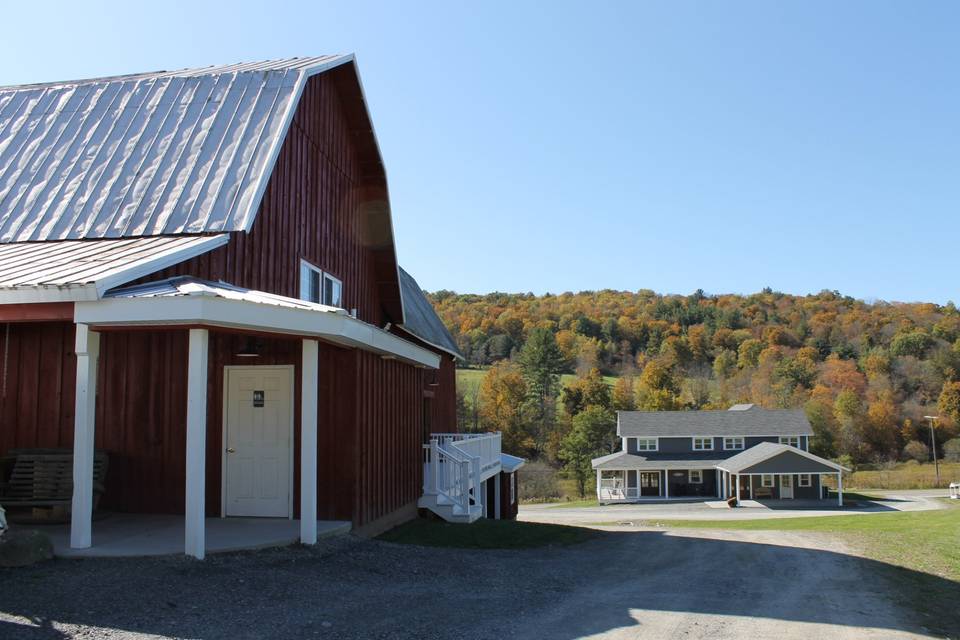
(48, 293)
(456, 356)
(238, 314)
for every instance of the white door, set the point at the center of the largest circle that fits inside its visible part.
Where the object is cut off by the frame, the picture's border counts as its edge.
(786, 487)
(258, 441)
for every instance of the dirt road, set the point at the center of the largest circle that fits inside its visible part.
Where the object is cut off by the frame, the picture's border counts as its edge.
(631, 584)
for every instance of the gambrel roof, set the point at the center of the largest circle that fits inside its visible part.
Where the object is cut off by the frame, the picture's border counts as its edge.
(164, 153)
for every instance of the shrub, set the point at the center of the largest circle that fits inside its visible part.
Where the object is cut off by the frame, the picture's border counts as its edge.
(916, 450)
(539, 482)
(951, 450)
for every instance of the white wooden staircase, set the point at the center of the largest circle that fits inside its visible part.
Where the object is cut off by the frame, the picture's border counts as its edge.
(454, 468)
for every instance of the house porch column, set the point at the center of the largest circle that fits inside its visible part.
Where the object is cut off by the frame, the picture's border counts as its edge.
(309, 377)
(85, 402)
(195, 511)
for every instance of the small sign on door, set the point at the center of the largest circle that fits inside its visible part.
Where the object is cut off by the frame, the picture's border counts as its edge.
(258, 398)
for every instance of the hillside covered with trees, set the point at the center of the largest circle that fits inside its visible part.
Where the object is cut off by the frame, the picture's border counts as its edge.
(866, 373)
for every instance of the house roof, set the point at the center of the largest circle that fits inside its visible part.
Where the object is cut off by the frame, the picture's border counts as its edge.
(84, 269)
(743, 422)
(510, 463)
(168, 152)
(764, 451)
(623, 460)
(420, 318)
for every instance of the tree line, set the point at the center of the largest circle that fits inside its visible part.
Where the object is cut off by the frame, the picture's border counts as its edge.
(865, 373)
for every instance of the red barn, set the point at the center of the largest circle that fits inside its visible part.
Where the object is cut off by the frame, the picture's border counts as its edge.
(198, 277)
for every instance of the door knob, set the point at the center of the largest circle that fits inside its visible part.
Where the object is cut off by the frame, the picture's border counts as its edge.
(231, 450)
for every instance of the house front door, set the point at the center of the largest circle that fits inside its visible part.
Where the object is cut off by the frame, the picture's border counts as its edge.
(649, 483)
(258, 441)
(786, 487)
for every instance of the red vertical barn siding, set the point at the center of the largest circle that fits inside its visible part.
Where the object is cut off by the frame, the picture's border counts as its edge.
(389, 461)
(311, 209)
(36, 399)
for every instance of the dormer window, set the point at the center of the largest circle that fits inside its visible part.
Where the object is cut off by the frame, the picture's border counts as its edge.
(318, 286)
(793, 441)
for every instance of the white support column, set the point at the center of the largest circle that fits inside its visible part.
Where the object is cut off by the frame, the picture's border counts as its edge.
(309, 367)
(666, 484)
(736, 479)
(496, 498)
(839, 488)
(598, 484)
(195, 512)
(750, 480)
(85, 402)
(718, 479)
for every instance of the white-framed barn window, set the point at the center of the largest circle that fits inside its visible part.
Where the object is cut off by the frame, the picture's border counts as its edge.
(766, 480)
(702, 443)
(805, 480)
(696, 476)
(319, 286)
(733, 443)
(646, 444)
(793, 441)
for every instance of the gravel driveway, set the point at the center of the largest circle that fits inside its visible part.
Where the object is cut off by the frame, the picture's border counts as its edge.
(633, 584)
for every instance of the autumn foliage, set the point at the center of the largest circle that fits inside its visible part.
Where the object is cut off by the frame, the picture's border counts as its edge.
(866, 373)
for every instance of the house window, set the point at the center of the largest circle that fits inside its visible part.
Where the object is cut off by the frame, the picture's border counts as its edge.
(793, 441)
(696, 476)
(701, 443)
(766, 480)
(646, 444)
(732, 443)
(318, 286)
(805, 480)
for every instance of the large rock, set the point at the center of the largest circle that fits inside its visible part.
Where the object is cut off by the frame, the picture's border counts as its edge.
(21, 547)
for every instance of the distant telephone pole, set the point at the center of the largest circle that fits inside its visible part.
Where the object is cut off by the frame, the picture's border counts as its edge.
(933, 446)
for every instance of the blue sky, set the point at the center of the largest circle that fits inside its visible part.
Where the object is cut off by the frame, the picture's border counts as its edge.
(560, 146)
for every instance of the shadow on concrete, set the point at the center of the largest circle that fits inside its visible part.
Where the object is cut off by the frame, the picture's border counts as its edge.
(649, 584)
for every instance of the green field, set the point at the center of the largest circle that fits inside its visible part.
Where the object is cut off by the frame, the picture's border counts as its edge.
(469, 379)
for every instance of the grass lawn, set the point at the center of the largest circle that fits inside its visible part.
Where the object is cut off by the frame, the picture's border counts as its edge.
(586, 502)
(906, 476)
(470, 379)
(919, 541)
(487, 534)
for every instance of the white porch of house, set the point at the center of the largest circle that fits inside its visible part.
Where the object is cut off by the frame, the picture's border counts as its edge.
(613, 485)
(456, 467)
(732, 485)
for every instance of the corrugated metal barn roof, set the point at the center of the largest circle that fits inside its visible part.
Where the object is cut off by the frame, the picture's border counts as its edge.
(170, 152)
(85, 269)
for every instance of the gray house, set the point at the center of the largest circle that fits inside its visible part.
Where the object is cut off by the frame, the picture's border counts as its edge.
(746, 452)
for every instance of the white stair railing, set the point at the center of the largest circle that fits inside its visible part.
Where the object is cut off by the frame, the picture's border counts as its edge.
(449, 472)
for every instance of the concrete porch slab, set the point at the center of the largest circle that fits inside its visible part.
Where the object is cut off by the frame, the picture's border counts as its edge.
(131, 535)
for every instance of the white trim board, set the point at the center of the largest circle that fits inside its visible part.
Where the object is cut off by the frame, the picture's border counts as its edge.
(212, 311)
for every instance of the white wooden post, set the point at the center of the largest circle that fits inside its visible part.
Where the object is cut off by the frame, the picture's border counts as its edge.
(309, 367)
(195, 512)
(496, 497)
(85, 402)
(598, 483)
(666, 484)
(475, 466)
(717, 477)
(750, 480)
(736, 479)
(839, 488)
(434, 466)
